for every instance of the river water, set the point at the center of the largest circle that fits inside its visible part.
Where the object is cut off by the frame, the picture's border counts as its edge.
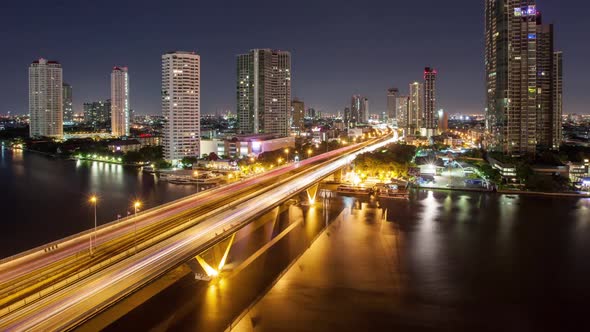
(44, 199)
(524, 261)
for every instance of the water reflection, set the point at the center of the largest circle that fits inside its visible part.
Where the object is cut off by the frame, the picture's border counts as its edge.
(50, 195)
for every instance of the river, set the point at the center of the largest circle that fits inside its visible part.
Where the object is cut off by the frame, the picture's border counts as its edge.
(473, 261)
(43, 199)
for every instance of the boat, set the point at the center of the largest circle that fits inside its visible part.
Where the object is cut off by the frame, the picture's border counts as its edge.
(352, 190)
(394, 194)
(391, 191)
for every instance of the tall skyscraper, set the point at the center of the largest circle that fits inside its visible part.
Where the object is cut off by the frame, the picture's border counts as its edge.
(392, 95)
(46, 99)
(264, 91)
(120, 102)
(355, 110)
(401, 106)
(298, 114)
(519, 68)
(181, 91)
(557, 99)
(429, 115)
(364, 111)
(68, 107)
(544, 84)
(415, 107)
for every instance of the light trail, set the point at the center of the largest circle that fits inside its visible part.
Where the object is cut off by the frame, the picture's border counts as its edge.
(75, 303)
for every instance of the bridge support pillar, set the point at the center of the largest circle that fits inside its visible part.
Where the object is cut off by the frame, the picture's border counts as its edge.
(338, 176)
(202, 261)
(312, 192)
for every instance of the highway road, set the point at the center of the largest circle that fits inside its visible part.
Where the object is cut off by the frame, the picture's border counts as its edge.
(107, 282)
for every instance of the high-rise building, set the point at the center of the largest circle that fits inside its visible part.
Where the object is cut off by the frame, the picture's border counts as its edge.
(415, 107)
(46, 99)
(443, 121)
(298, 114)
(120, 117)
(347, 117)
(355, 110)
(264, 91)
(401, 106)
(181, 91)
(364, 111)
(68, 106)
(544, 84)
(98, 114)
(557, 99)
(429, 116)
(392, 95)
(519, 68)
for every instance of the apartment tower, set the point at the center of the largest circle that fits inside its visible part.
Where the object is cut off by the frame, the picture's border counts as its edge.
(264, 92)
(181, 104)
(120, 102)
(45, 99)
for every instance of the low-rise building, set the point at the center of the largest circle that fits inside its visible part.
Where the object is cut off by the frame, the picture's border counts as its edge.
(124, 146)
(508, 171)
(578, 171)
(214, 145)
(149, 140)
(253, 145)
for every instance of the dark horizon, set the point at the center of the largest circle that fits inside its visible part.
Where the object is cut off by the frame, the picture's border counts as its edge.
(338, 48)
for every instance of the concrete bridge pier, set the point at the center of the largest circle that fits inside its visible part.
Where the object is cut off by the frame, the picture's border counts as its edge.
(212, 260)
(312, 192)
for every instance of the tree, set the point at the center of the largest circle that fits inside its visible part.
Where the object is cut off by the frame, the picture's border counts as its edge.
(213, 156)
(188, 160)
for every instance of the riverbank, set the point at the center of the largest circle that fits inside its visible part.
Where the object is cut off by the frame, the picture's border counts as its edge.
(505, 192)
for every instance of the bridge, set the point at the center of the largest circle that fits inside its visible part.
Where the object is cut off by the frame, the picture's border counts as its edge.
(62, 284)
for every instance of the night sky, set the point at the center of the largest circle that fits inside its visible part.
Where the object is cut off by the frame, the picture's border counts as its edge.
(339, 48)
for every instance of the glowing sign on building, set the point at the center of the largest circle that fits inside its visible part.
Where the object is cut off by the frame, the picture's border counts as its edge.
(532, 10)
(256, 147)
(526, 11)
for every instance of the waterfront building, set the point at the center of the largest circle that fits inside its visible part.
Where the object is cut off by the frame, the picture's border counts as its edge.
(68, 107)
(98, 114)
(521, 113)
(556, 125)
(181, 104)
(415, 107)
(429, 123)
(120, 114)
(240, 146)
(264, 91)
(45, 99)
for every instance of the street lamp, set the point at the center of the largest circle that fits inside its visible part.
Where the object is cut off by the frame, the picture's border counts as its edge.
(136, 205)
(309, 151)
(196, 174)
(287, 152)
(93, 201)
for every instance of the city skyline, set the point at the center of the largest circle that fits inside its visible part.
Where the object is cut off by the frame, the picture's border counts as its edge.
(317, 79)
